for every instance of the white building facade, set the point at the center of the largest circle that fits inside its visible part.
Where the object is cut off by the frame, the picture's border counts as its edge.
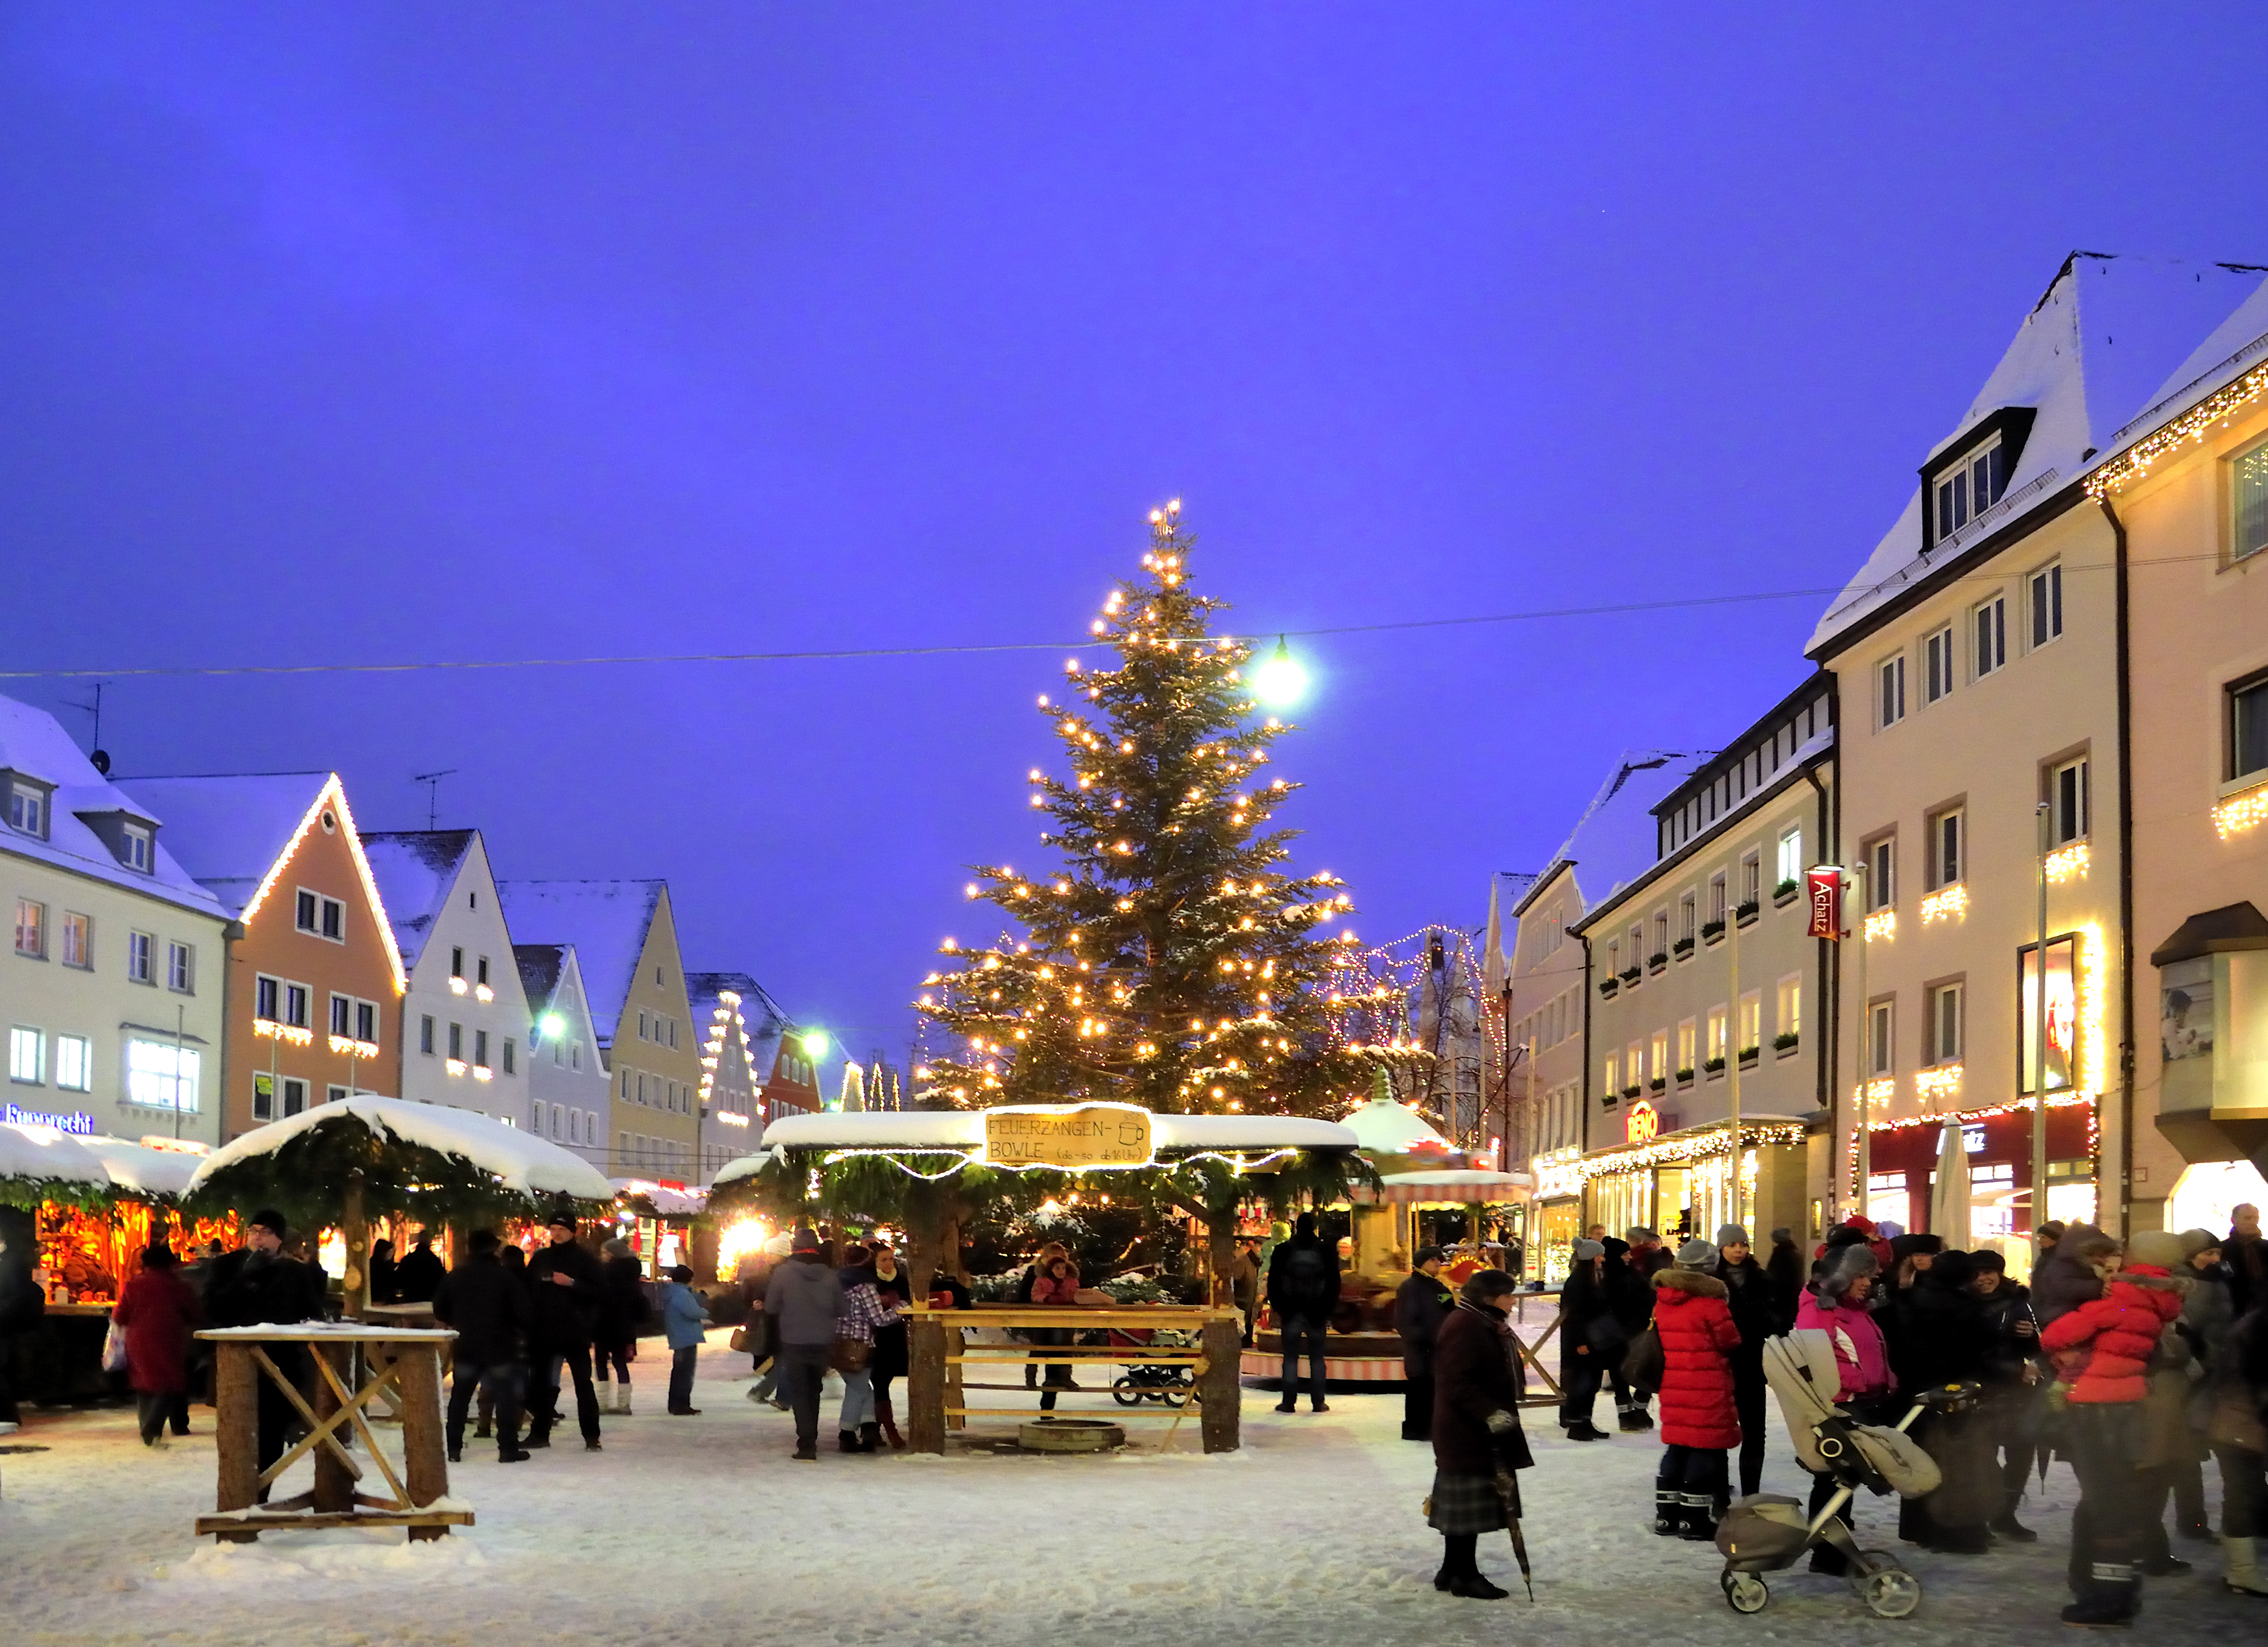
(568, 1086)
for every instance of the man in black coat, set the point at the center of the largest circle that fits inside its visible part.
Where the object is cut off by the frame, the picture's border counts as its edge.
(1591, 1342)
(1419, 1304)
(489, 1306)
(1786, 1270)
(1944, 1336)
(416, 1277)
(564, 1296)
(1628, 1277)
(1303, 1291)
(258, 1286)
(1756, 1311)
(2013, 1393)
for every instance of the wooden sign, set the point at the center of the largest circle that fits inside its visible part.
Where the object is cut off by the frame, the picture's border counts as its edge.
(1824, 888)
(1067, 1134)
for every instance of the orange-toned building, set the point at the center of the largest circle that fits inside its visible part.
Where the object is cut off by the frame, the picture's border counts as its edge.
(314, 987)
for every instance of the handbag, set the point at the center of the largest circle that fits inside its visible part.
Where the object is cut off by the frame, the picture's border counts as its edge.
(739, 1341)
(114, 1349)
(1642, 1368)
(851, 1355)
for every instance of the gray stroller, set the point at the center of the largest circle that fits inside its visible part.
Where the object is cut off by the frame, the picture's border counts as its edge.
(1769, 1533)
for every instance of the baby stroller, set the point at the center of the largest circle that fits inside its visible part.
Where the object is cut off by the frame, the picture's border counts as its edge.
(1168, 1383)
(1768, 1532)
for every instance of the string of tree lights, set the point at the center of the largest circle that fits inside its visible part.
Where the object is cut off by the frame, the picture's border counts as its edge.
(1171, 959)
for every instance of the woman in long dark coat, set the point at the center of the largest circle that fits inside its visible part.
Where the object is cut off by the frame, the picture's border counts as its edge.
(1478, 1440)
(160, 1311)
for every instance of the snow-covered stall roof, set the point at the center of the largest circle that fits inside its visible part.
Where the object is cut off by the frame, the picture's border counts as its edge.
(31, 1156)
(961, 1130)
(606, 921)
(521, 1161)
(1449, 1187)
(1382, 1127)
(670, 1204)
(2110, 339)
(414, 870)
(138, 1170)
(34, 743)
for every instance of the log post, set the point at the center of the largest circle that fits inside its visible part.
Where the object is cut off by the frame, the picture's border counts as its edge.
(1220, 1387)
(335, 1488)
(236, 1431)
(354, 1224)
(424, 1450)
(924, 1225)
(925, 1337)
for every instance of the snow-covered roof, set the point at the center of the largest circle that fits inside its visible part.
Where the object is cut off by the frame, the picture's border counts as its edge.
(964, 1129)
(42, 1155)
(1617, 839)
(136, 1169)
(541, 966)
(229, 832)
(34, 743)
(524, 1163)
(414, 870)
(606, 921)
(2114, 341)
(1444, 1186)
(670, 1204)
(1382, 1127)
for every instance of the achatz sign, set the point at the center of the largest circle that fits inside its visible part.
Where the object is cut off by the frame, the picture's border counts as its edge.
(1067, 1135)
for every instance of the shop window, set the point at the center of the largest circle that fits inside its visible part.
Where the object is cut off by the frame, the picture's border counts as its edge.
(162, 1075)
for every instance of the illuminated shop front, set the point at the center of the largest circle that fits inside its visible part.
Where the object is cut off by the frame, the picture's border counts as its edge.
(1903, 1163)
(1682, 1181)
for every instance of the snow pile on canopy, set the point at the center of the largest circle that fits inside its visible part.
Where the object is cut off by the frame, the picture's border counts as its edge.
(963, 1130)
(42, 1155)
(1382, 1127)
(137, 1170)
(670, 1204)
(521, 1161)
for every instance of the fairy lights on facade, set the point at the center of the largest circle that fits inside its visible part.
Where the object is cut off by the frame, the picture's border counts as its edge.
(348, 1047)
(1945, 904)
(2241, 813)
(1882, 924)
(297, 1034)
(1567, 1176)
(333, 795)
(2194, 424)
(2068, 863)
(1938, 1083)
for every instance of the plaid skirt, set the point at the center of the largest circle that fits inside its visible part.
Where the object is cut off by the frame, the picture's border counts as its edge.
(1465, 1504)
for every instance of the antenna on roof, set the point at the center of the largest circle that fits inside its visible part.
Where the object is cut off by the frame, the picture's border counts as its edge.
(99, 758)
(432, 783)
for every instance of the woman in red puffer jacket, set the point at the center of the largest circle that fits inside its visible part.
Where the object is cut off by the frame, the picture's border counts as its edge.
(1699, 1421)
(2103, 1350)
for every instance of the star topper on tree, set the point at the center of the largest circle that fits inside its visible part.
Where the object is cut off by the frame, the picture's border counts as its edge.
(1170, 959)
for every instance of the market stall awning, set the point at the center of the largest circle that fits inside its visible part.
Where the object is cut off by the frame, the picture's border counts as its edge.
(963, 1130)
(668, 1201)
(1449, 1187)
(1383, 1127)
(34, 1159)
(144, 1172)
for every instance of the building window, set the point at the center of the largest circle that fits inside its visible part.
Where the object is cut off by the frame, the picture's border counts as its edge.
(1880, 1022)
(30, 929)
(27, 810)
(642, 1035)
(267, 996)
(1937, 665)
(1716, 1036)
(673, 1030)
(456, 963)
(1882, 873)
(134, 847)
(1752, 876)
(1990, 622)
(2045, 590)
(367, 1021)
(27, 1056)
(1686, 1034)
(180, 969)
(162, 1075)
(1716, 900)
(2067, 802)
(78, 940)
(336, 1094)
(140, 950)
(2248, 493)
(425, 1034)
(1686, 920)
(343, 1017)
(479, 1049)
(1659, 952)
(1944, 848)
(1944, 1030)
(74, 1064)
(2248, 725)
(457, 1042)
(510, 1064)
(480, 970)
(1789, 860)
(1891, 691)
(295, 1096)
(299, 1006)
(1789, 1006)
(263, 1096)
(575, 1055)
(1970, 487)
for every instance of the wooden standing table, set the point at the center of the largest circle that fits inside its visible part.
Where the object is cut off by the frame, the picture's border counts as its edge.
(404, 1364)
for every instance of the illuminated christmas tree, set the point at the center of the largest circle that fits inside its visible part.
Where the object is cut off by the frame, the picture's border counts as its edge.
(1169, 958)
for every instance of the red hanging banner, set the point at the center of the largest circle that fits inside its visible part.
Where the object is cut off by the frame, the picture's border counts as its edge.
(1824, 886)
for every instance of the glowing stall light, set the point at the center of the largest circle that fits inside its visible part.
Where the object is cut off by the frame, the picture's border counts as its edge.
(1281, 681)
(735, 1242)
(2068, 863)
(1945, 904)
(2241, 813)
(1882, 924)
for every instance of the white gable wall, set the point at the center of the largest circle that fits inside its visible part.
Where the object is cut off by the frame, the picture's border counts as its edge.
(470, 925)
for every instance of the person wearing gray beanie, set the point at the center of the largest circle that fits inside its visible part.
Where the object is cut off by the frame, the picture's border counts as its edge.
(1757, 1313)
(1698, 1254)
(1732, 1235)
(1586, 1249)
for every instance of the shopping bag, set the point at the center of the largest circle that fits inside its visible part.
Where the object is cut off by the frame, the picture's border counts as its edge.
(114, 1349)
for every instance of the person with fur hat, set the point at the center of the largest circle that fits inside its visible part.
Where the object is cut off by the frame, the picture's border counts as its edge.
(1478, 1441)
(1756, 1311)
(1421, 1303)
(1837, 1304)
(1699, 1419)
(2104, 1347)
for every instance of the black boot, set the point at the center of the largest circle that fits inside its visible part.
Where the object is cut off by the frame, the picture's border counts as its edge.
(1668, 1514)
(2006, 1523)
(870, 1437)
(1699, 1520)
(2111, 1600)
(848, 1441)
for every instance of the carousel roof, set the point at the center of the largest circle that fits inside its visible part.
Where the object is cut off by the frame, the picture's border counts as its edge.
(1382, 1127)
(964, 1129)
(1449, 1187)
(523, 1163)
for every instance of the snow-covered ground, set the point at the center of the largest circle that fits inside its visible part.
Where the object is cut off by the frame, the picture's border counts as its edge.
(700, 1531)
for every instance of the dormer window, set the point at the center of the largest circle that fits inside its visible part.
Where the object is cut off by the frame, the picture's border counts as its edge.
(28, 808)
(1970, 487)
(134, 847)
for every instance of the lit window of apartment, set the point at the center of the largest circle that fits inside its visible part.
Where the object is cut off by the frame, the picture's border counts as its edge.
(1943, 1032)
(2044, 595)
(1752, 1022)
(1633, 1066)
(1788, 1010)
(78, 940)
(162, 1075)
(1614, 1084)
(27, 809)
(1687, 1033)
(2066, 798)
(1658, 1068)
(30, 929)
(141, 950)
(74, 1064)
(2248, 501)
(2248, 725)
(1989, 624)
(180, 969)
(1891, 691)
(1970, 487)
(1882, 872)
(1716, 1036)
(1788, 863)
(1937, 657)
(1882, 1021)
(1687, 921)
(1946, 846)
(27, 1056)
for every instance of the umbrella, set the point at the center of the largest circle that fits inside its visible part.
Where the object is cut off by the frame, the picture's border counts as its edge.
(1948, 1195)
(1509, 1490)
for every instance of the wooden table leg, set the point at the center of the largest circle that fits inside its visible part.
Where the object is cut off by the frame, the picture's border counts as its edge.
(425, 1450)
(334, 1488)
(236, 1432)
(1221, 1389)
(925, 1400)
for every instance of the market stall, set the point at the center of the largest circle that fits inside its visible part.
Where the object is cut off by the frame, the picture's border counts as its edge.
(665, 1225)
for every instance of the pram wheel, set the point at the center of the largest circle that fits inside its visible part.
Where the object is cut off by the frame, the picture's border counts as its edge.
(1745, 1592)
(1891, 1593)
(1124, 1392)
